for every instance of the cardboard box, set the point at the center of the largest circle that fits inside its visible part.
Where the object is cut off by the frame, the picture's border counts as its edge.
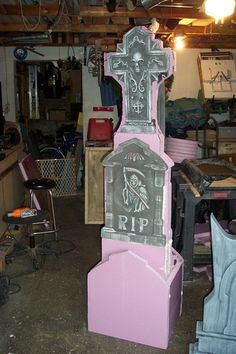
(210, 135)
(57, 114)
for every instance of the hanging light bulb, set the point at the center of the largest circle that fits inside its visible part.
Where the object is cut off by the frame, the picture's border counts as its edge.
(219, 9)
(179, 42)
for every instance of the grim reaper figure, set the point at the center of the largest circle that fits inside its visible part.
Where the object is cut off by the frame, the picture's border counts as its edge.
(135, 192)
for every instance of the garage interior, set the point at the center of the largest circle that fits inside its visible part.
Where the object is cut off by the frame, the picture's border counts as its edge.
(62, 103)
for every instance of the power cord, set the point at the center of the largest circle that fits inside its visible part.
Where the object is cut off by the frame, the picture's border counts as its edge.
(14, 288)
(72, 246)
(4, 288)
(7, 287)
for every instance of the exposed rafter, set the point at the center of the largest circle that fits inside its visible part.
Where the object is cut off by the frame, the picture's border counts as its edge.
(158, 12)
(28, 10)
(95, 22)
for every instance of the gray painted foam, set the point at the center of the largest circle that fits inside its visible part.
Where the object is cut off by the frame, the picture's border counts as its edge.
(134, 178)
(217, 332)
(138, 62)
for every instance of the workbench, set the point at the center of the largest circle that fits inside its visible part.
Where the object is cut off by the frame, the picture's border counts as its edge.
(185, 199)
(11, 195)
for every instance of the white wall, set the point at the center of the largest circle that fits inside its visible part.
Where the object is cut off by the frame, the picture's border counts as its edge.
(91, 97)
(186, 78)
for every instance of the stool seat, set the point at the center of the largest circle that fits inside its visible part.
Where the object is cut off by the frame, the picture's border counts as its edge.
(39, 197)
(40, 217)
(40, 183)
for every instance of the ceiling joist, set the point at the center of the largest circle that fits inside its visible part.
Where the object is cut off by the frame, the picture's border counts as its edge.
(158, 12)
(93, 11)
(29, 10)
(111, 28)
(89, 23)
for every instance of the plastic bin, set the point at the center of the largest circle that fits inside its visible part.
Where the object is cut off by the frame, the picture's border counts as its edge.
(100, 129)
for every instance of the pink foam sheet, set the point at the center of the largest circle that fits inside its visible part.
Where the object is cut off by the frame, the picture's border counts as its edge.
(132, 300)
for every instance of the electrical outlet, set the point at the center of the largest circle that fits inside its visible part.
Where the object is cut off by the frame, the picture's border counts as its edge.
(7, 108)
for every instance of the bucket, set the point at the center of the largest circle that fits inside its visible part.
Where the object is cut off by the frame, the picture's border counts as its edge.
(180, 149)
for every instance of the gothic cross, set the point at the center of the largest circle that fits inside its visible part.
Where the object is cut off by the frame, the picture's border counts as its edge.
(138, 62)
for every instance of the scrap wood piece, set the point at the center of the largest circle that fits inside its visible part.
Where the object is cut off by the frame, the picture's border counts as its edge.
(191, 186)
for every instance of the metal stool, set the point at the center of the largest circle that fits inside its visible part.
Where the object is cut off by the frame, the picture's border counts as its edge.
(45, 219)
(44, 184)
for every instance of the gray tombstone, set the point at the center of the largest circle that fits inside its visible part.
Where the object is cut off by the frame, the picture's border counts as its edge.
(139, 62)
(217, 332)
(134, 177)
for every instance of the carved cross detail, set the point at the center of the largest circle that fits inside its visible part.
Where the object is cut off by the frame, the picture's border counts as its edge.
(138, 62)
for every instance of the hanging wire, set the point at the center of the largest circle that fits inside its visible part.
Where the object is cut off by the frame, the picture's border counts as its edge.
(6, 73)
(59, 15)
(66, 13)
(26, 22)
(68, 51)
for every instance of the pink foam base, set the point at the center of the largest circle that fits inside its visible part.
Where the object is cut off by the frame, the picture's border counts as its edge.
(129, 296)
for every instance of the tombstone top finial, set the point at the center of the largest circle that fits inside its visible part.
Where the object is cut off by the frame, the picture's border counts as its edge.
(138, 62)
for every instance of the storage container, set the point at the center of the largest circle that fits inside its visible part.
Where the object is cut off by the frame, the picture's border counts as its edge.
(100, 129)
(180, 149)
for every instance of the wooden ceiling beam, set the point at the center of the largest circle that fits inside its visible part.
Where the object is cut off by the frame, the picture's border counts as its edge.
(111, 28)
(158, 12)
(120, 29)
(70, 27)
(104, 40)
(29, 10)
(190, 42)
(52, 10)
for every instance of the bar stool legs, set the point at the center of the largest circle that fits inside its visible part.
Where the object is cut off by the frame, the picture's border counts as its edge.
(43, 222)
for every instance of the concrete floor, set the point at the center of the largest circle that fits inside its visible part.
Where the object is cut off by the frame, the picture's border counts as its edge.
(49, 314)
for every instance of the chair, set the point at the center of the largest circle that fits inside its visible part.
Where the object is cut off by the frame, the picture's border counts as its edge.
(41, 199)
(32, 143)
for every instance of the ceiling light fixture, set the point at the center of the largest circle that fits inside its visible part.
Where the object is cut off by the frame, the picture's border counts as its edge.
(219, 9)
(179, 41)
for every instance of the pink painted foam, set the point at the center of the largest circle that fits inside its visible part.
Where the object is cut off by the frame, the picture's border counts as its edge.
(130, 296)
(131, 300)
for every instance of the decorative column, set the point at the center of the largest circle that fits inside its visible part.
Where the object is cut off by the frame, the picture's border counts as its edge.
(135, 291)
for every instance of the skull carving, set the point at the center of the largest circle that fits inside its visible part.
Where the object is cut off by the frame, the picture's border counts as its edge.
(137, 62)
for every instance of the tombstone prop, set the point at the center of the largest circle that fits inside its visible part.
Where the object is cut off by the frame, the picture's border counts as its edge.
(135, 291)
(217, 332)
